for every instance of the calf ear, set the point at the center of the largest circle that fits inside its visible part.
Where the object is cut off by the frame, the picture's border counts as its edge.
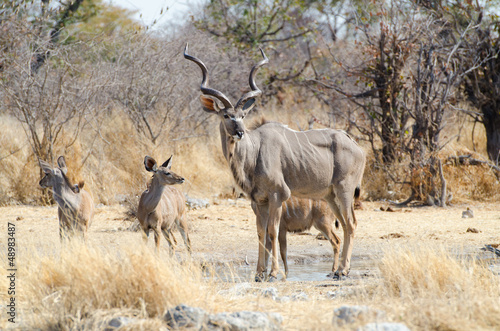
(46, 167)
(61, 162)
(78, 187)
(167, 164)
(209, 105)
(150, 164)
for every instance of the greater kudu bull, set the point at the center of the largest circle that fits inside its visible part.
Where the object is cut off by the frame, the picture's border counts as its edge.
(272, 162)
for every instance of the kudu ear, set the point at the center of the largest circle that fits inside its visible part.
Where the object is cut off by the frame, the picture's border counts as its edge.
(46, 167)
(209, 105)
(78, 187)
(249, 104)
(61, 163)
(150, 164)
(167, 164)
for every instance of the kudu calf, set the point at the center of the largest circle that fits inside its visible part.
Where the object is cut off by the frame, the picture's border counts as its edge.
(162, 205)
(272, 162)
(299, 215)
(75, 205)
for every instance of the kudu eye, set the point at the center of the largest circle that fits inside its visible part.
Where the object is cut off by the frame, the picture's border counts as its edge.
(226, 116)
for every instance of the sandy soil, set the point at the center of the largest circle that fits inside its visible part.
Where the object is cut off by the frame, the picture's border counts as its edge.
(225, 232)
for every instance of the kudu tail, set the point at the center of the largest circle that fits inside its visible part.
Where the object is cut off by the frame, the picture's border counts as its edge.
(357, 192)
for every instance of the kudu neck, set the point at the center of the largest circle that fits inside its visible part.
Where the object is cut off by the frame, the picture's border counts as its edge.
(65, 196)
(155, 192)
(241, 156)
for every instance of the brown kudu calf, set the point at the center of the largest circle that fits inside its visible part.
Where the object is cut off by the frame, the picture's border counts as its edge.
(75, 205)
(162, 205)
(300, 215)
(272, 163)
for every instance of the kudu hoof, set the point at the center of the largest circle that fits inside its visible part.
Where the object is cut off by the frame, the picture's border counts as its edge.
(259, 278)
(336, 276)
(272, 279)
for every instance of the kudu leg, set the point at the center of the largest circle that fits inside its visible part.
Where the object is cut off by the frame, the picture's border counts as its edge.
(168, 237)
(283, 248)
(269, 247)
(157, 240)
(273, 230)
(261, 216)
(145, 236)
(342, 219)
(351, 224)
(63, 233)
(325, 226)
(343, 207)
(183, 229)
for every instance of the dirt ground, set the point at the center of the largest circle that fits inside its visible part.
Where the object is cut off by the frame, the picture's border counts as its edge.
(225, 233)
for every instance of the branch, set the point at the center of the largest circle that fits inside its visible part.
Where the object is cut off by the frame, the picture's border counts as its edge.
(41, 57)
(286, 38)
(275, 77)
(469, 160)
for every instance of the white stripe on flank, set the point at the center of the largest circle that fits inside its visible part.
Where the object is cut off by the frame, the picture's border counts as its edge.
(286, 207)
(293, 207)
(289, 146)
(329, 152)
(298, 142)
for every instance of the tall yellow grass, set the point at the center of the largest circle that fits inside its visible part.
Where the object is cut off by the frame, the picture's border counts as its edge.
(437, 291)
(83, 283)
(426, 288)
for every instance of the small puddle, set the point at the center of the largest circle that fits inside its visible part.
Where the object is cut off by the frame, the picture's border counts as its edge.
(299, 272)
(361, 267)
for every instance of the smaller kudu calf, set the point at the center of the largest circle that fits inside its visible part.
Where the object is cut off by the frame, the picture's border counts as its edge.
(75, 205)
(162, 205)
(300, 215)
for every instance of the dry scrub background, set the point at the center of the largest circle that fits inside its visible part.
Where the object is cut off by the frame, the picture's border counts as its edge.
(110, 160)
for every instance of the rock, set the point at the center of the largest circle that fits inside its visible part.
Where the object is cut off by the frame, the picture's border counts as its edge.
(118, 322)
(270, 292)
(351, 314)
(192, 203)
(283, 299)
(339, 293)
(184, 316)
(469, 213)
(245, 320)
(384, 327)
(237, 290)
(300, 297)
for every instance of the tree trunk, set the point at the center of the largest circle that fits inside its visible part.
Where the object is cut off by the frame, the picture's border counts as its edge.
(491, 121)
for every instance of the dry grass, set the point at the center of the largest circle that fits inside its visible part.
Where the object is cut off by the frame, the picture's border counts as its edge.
(436, 291)
(427, 288)
(82, 283)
